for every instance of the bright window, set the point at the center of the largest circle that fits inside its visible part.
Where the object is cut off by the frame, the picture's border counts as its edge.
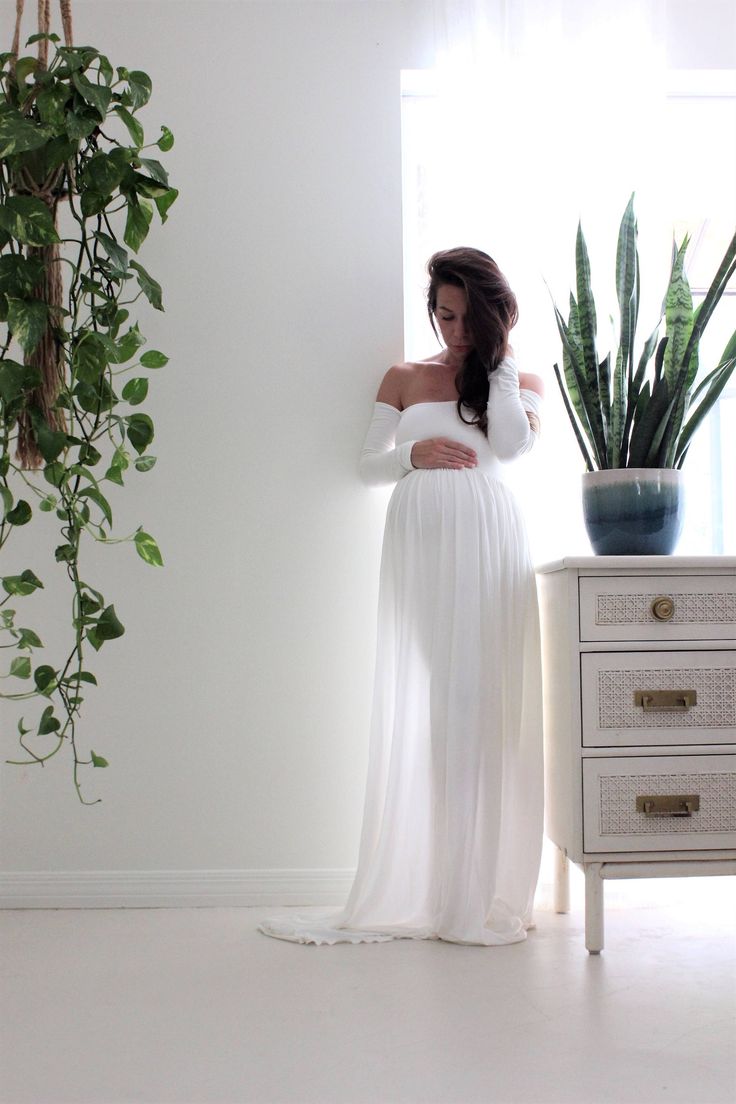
(449, 200)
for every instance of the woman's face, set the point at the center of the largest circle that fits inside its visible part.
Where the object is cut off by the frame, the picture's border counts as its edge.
(451, 312)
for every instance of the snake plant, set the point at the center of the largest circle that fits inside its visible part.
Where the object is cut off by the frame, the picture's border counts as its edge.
(640, 414)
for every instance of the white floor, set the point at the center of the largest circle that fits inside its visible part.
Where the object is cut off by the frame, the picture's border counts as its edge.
(195, 1005)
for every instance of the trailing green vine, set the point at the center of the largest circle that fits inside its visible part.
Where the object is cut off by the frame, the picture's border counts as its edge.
(70, 136)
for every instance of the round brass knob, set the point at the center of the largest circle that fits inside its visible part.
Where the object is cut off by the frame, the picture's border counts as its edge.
(663, 608)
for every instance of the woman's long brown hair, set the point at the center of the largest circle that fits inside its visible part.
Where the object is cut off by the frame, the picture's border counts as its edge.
(492, 313)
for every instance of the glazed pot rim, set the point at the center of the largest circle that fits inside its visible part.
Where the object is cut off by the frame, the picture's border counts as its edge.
(633, 475)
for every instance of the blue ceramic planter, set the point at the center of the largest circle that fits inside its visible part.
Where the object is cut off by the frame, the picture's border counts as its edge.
(633, 511)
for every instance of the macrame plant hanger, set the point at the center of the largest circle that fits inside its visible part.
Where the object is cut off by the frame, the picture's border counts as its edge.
(47, 355)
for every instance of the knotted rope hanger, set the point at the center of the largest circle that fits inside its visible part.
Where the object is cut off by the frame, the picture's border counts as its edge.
(44, 25)
(47, 356)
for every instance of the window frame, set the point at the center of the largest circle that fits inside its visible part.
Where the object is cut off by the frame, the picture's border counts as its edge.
(695, 85)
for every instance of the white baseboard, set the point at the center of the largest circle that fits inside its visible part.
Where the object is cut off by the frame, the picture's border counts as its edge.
(172, 888)
(90, 889)
(77, 889)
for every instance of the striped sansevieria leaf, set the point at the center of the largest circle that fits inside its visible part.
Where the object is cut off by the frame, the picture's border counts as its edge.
(641, 416)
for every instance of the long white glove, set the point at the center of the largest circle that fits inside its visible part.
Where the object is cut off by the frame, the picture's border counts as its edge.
(509, 432)
(381, 462)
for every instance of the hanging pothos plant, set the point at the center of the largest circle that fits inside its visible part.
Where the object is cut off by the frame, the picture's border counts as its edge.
(70, 139)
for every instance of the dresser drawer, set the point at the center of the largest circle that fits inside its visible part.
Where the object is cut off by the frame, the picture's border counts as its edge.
(631, 699)
(612, 822)
(618, 608)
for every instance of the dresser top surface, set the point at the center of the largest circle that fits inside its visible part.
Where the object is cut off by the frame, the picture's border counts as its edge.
(594, 565)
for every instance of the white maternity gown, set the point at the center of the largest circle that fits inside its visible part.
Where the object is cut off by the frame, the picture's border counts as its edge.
(452, 824)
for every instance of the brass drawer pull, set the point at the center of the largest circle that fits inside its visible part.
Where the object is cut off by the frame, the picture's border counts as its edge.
(668, 805)
(663, 608)
(665, 701)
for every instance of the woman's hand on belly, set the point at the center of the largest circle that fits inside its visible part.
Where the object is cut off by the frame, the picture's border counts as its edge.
(442, 452)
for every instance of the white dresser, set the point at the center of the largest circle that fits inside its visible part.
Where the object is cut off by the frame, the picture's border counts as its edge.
(639, 667)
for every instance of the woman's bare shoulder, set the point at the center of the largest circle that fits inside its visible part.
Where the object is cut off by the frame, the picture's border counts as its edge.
(530, 382)
(395, 382)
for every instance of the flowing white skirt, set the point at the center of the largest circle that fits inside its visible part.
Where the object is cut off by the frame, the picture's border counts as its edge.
(452, 826)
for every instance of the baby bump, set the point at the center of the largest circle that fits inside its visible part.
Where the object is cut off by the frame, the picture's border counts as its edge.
(454, 546)
(434, 513)
(428, 497)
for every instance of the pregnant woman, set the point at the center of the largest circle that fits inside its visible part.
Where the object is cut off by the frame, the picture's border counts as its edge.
(452, 823)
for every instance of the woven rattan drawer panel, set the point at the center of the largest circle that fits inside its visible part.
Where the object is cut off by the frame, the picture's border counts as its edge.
(611, 717)
(611, 821)
(703, 608)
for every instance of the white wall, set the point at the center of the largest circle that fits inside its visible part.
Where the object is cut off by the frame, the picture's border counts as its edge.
(234, 712)
(701, 34)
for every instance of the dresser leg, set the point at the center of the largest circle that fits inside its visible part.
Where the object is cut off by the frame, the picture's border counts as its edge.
(562, 882)
(593, 908)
